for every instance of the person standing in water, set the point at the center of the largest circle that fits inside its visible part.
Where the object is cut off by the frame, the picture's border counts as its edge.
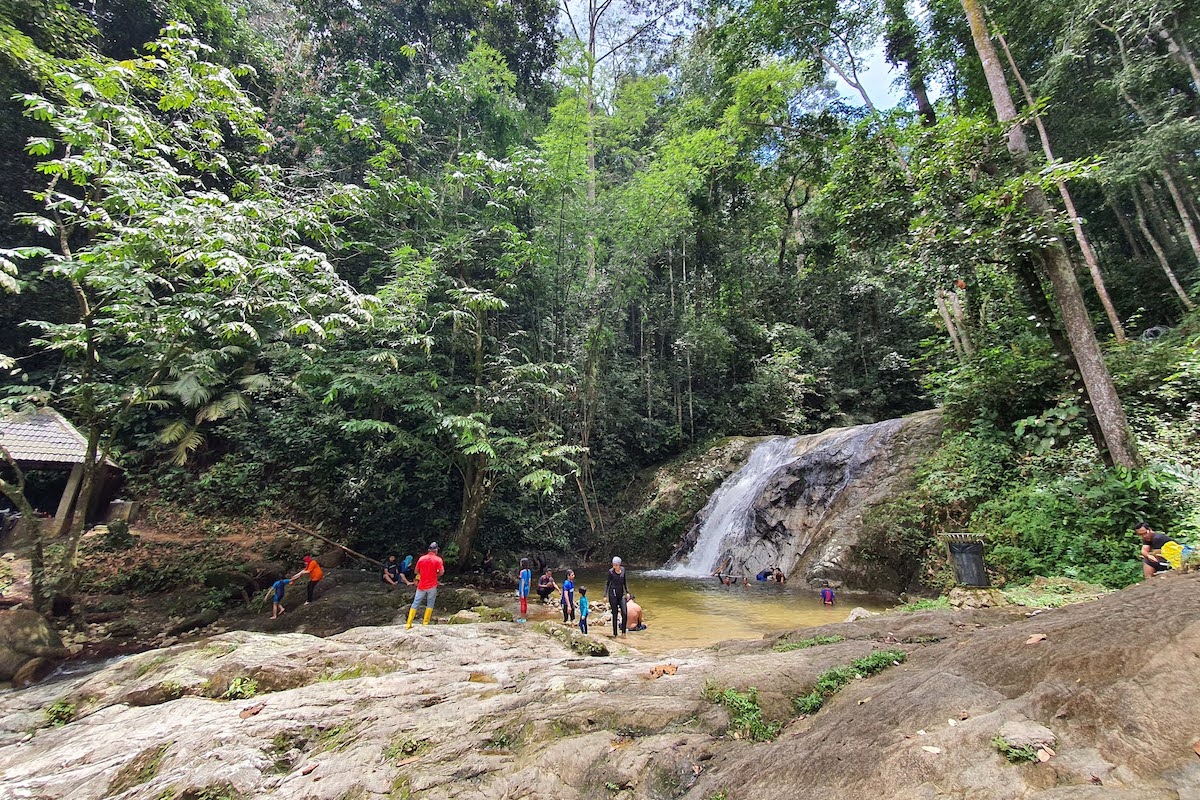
(583, 610)
(429, 568)
(615, 589)
(568, 597)
(828, 598)
(523, 581)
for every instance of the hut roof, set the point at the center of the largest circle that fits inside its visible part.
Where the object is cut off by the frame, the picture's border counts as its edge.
(42, 438)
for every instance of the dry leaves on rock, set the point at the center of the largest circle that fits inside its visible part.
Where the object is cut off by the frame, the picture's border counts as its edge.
(252, 710)
(1037, 637)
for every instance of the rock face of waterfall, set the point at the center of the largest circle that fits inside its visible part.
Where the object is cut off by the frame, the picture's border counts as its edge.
(799, 503)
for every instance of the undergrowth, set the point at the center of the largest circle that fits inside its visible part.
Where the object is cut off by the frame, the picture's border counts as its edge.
(813, 641)
(745, 716)
(833, 680)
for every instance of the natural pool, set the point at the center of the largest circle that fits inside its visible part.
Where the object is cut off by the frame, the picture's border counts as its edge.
(695, 612)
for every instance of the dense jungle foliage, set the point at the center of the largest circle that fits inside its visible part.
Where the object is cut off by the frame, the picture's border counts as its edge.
(463, 269)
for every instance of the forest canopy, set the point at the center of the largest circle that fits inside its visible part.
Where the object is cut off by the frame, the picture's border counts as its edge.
(466, 268)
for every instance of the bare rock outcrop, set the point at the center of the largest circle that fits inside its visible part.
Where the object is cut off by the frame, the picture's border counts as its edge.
(500, 710)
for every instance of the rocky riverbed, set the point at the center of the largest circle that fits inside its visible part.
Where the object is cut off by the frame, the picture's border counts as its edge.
(1103, 693)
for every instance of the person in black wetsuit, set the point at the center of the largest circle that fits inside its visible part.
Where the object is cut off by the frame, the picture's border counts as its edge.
(615, 589)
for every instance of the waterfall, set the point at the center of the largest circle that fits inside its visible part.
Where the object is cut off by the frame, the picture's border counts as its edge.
(728, 515)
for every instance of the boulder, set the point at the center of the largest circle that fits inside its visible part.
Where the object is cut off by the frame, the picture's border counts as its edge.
(490, 614)
(206, 617)
(961, 597)
(1027, 733)
(465, 617)
(859, 613)
(24, 636)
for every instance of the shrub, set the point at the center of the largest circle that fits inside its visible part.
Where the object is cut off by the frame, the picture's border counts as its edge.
(241, 688)
(745, 716)
(60, 712)
(1015, 755)
(832, 681)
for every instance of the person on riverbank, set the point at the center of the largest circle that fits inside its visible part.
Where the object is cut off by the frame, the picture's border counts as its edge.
(523, 580)
(315, 574)
(546, 585)
(429, 568)
(393, 574)
(615, 589)
(635, 621)
(1157, 549)
(567, 600)
(583, 610)
(277, 589)
(828, 598)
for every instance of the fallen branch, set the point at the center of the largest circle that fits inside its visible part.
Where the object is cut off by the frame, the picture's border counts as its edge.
(327, 540)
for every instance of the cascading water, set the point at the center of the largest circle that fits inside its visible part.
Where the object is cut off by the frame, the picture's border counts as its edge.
(728, 515)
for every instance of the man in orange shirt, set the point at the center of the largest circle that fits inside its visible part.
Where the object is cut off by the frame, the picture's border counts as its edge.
(314, 572)
(429, 569)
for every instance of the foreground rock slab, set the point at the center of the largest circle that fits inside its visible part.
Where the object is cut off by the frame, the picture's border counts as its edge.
(499, 710)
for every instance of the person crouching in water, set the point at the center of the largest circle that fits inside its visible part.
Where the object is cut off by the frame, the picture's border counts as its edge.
(615, 589)
(568, 597)
(429, 568)
(583, 610)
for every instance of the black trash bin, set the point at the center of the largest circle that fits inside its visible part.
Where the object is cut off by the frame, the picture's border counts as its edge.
(966, 553)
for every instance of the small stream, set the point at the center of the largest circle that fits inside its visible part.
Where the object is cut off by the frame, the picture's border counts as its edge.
(696, 612)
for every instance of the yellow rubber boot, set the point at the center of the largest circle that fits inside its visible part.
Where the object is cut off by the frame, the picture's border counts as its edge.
(412, 612)
(428, 614)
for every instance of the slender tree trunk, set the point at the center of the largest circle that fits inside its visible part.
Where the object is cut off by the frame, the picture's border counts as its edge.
(1101, 390)
(1178, 49)
(1135, 248)
(475, 496)
(1168, 232)
(939, 298)
(1160, 255)
(1085, 246)
(901, 40)
(30, 528)
(1184, 217)
(960, 318)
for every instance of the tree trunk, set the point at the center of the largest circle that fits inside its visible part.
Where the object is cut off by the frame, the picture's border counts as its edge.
(1085, 246)
(1184, 217)
(1160, 255)
(960, 320)
(901, 48)
(939, 298)
(1110, 413)
(476, 493)
(31, 528)
(1135, 249)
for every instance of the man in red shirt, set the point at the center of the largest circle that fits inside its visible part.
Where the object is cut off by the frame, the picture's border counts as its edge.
(429, 569)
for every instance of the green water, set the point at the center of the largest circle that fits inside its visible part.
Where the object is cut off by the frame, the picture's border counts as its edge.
(693, 612)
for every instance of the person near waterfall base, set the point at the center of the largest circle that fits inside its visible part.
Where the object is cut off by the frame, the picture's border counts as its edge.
(828, 598)
(615, 589)
(315, 574)
(523, 581)
(568, 597)
(583, 610)
(636, 620)
(430, 567)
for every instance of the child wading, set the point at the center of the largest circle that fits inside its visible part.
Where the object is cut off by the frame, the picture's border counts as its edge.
(568, 596)
(583, 609)
(523, 581)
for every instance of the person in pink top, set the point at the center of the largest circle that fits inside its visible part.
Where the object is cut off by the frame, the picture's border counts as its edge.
(429, 568)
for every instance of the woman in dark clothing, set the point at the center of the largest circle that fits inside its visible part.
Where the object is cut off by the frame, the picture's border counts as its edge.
(615, 588)
(546, 585)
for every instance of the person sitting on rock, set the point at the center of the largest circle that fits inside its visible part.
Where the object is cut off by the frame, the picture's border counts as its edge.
(546, 585)
(779, 576)
(634, 619)
(392, 574)
(1157, 549)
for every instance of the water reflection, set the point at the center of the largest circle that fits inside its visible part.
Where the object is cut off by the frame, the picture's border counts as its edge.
(695, 612)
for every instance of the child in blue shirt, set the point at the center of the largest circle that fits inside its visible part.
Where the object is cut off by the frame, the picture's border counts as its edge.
(277, 589)
(523, 582)
(568, 597)
(583, 609)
